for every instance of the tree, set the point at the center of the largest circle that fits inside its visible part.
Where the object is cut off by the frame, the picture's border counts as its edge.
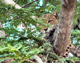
(63, 32)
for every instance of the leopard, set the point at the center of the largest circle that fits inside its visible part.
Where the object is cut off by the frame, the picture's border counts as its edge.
(52, 19)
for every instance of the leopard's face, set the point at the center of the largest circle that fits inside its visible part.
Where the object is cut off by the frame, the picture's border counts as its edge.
(52, 20)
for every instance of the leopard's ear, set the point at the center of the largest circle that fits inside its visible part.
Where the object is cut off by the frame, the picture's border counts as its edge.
(55, 14)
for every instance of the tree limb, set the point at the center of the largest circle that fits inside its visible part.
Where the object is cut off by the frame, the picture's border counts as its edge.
(11, 2)
(28, 4)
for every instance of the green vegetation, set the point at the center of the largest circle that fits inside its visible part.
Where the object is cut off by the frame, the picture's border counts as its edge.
(21, 44)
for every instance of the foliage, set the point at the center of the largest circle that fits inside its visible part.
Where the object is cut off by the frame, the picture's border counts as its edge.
(24, 39)
(76, 37)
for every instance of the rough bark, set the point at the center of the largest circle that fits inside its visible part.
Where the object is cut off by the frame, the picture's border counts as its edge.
(63, 31)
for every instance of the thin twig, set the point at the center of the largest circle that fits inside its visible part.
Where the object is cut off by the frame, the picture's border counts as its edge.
(28, 4)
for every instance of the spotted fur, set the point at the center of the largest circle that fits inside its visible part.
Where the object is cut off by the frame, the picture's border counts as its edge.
(49, 31)
(67, 50)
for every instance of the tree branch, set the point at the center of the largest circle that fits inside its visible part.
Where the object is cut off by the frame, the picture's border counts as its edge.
(28, 4)
(11, 2)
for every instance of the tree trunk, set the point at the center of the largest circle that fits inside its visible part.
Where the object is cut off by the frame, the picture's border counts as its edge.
(63, 32)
